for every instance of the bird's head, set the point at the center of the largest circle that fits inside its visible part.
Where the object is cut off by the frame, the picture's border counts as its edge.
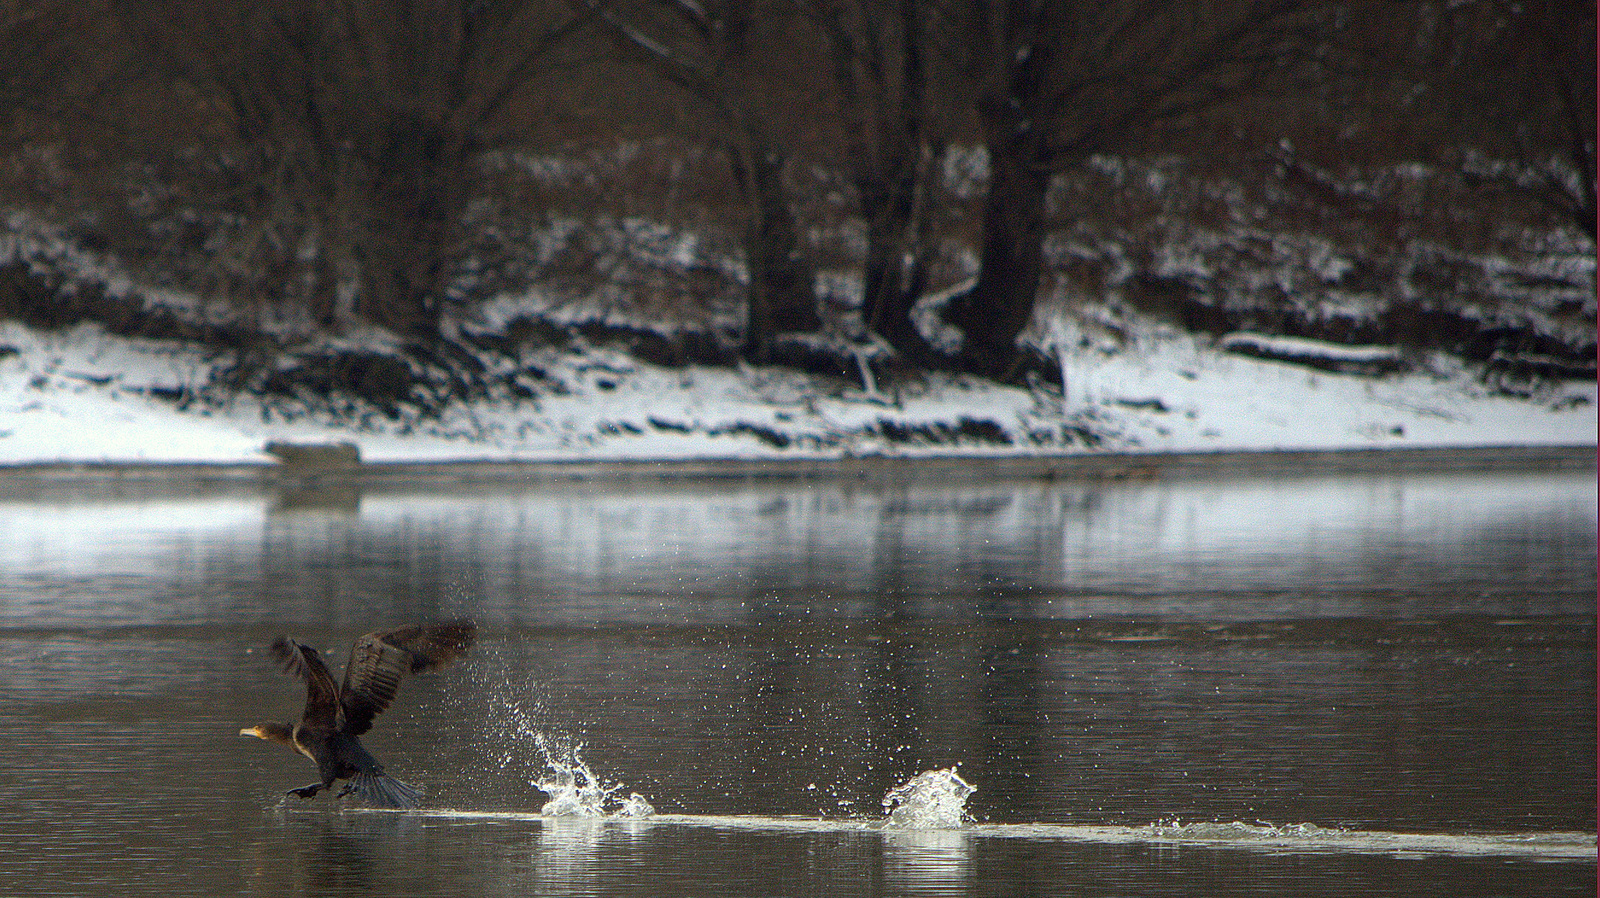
(280, 733)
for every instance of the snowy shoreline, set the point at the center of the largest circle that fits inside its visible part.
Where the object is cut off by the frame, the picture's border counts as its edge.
(1136, 465)
(84, 400)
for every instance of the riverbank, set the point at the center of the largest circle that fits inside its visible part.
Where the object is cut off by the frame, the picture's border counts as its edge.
(1085, 466)
(84, 400)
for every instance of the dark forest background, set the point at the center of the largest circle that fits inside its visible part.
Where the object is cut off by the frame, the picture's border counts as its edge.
(789, 181)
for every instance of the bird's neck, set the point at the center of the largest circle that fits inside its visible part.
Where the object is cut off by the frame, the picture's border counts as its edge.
(281, 733)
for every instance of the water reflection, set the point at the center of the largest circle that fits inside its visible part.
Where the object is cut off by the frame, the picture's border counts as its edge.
(306, 854)
(1404, 654)
(566, 857)
(572, 554)
(927, 862)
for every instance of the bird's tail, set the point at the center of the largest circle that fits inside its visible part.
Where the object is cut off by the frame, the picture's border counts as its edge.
(382, 791)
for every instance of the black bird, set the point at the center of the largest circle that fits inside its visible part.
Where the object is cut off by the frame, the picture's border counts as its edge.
(336, 714)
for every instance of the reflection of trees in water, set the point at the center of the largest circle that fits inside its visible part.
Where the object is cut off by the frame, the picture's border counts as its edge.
(1339, 546)
(938, 551)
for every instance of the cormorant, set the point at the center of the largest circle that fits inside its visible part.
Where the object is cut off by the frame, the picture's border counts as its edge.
(336, 714)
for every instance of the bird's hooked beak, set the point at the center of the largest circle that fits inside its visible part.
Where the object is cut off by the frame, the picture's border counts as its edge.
(252, 731)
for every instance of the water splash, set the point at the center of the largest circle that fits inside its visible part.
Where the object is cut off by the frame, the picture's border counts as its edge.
(1236, 831)
(555, 766)
(575, 790)
(935, 799)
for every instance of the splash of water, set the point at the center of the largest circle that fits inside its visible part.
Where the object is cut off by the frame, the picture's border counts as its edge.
(1235, 831)
(935, 799)
(572, 787)
(575, 790)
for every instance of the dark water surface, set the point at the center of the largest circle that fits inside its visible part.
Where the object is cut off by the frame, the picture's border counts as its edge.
(1313, 686)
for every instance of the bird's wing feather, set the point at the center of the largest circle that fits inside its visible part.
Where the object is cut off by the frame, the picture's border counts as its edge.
(432, 646)
(304, 662)
(378, 661)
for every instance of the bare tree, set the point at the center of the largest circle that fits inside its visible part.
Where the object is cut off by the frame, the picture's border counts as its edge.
(1518, 80)
(712, 52)
(1059, 80)
(60, 60)
(890, 106)
(36, 37)
(351, 129)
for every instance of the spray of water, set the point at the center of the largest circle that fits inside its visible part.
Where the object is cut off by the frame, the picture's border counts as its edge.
(575, 790)
(554, 762)
(935, 799)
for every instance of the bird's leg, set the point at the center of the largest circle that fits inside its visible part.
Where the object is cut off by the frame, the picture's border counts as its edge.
(307, 791)
(349, 787)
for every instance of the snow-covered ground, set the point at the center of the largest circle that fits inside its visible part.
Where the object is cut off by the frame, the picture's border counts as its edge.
(81, 395)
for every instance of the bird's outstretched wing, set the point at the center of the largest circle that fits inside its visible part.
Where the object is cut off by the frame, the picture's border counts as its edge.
(304, 662)
(379, 660)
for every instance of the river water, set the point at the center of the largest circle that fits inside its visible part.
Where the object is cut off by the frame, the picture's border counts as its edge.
(1374, 685)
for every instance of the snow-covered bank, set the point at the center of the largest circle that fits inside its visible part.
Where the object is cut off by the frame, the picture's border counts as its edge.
(80, 395)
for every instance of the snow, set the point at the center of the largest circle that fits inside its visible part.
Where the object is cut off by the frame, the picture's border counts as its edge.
(1299, 348)
(80, 395)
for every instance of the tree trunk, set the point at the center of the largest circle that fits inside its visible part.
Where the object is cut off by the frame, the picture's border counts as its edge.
(879, 69)
(393, 295)
(782, 290)
(891, 276)
(994, 312)
(884, 273)
(322, 296)
(415, 195)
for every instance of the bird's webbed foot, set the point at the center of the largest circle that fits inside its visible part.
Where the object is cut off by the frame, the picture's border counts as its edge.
(306, 791)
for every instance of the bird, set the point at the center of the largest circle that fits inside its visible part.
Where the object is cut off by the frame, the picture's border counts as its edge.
(336, 714)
